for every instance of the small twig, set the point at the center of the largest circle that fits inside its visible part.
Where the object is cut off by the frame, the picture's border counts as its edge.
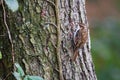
(53, 44)
(50, 23)
(50, 2)
(8, 30)
(2, 35)
(7, 75)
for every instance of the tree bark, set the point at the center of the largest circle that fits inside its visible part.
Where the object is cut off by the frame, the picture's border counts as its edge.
(42, 34)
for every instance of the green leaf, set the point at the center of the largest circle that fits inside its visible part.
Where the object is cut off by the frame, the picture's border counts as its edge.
(26, 77)
(17, 75)
(19, 69)
(0, 55)
(12, 4)
(35, 78)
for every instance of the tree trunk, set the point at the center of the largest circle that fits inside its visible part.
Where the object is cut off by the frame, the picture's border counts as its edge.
(42, 34)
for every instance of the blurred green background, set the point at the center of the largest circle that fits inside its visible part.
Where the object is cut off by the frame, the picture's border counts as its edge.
(104, 21)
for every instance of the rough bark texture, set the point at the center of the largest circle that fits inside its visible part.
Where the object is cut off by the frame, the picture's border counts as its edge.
(42, 33)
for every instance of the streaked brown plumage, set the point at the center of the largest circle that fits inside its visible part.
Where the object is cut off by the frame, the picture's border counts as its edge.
(80, 39)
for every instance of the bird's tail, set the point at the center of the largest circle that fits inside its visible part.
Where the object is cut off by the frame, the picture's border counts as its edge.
(75, 55)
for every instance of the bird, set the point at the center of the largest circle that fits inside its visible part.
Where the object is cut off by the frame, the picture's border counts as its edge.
(80, 39)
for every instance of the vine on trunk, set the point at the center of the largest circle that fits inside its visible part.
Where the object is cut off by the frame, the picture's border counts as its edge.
(8, 31)
(56, 5)
(58, 40)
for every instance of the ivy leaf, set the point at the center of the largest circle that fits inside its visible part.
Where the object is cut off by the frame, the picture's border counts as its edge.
(17, 75)
(34, 78)
(0, 55)
(19, 69)
(28, 77)
(12, 4)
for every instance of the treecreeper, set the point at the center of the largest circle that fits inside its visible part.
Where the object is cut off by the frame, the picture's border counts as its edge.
(80, 39)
